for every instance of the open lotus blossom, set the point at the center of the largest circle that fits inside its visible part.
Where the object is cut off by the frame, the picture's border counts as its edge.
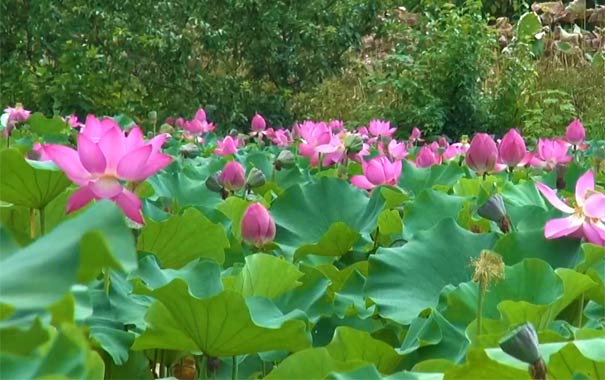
(280, 137)
(378, 171)
(512, 150)
(586, 218)
(454, 150)
(196, 127)
(313, 135)
(575, 133)
(226, 146)
(104, 159)
(381, 128)
(397, 150)
(427, 157)
(258, 227)
(336, 125)
(17, 114)
(549, 153)
(482, 154)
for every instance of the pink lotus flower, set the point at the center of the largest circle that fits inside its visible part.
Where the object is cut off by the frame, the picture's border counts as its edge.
(313, 135)
(549, 153)
(258, 228)
(454, 150)
(200, 115)
(281, 137)
(575, 133)
(258, 123)
(336, 125)
(334, 150)
(414, 137)
(397, 150)
(587, 217)
(196, 127)
(17, 114)
(38, 153)
(226, 146)
(73, 121)
(104, 159)
(378, 171)
(482, 154)
(442, 141)
(233, 176)
(427, 157)
(381, 128)
(512, 149)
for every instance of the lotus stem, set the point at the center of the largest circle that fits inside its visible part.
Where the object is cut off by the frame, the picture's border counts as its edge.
(480, 299)
(201, 367)
(106, 280)
(42, 221)
(580, 311)
(32, 223)
(234, 368)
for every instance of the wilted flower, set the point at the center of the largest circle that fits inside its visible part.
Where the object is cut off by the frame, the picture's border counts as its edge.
(233, 176)
(378, 171)
(106, 157)
(587, 217)
(258, 228)
(482, 154)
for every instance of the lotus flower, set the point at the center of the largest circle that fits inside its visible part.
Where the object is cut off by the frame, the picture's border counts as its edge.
(233, 176)
(381, 128)
(73, 121)
(313, 135)
(258, 228)
(454, 150)
(549, 153)
(512, 149)
(336, 125)
(226, 146)
(17, 114)
(586, 218)
(196, 127)
(281, 137)
(104, 159)
(200, 115)
(575, 133)
(482, 154)
(258, 123)
(397, 151)
(426, 157)
(378, 171)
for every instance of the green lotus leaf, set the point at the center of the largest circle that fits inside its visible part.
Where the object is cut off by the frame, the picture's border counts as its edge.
(75, 251)
(312, 363)
(48, 127)
(264, 275)
(528, 26)
(183, 238)
(428, 209)
(176, 186)
(479, 365)
(304, 213)
(31, 184)
(350, 300)
(234, 208)
(418, 179)
(338, 240)
(593, 265)
(220, 325)
(397, 280)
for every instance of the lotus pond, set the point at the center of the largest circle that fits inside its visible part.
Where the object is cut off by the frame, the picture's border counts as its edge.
(320, 251)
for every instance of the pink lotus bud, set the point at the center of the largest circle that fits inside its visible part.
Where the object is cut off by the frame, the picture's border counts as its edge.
(233, 176)
(575, 133)
(258, 123)
(512, 148)
(200, 115)
(180, 122)
(442, 141)
(482, 154)
(426, 158)
(258, 228)
(415, 135)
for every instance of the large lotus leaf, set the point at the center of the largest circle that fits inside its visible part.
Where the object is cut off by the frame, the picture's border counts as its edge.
(185, 191)
(433, 337)
(220, 325)
(397, 280)
(264, 275)
(530, 292)
(338, 240)
(183, 238)
(66, 355)
(234, 208)
(389, 222)
(428, 209)
(517, 246)
(44, 126)
(20, 340)
(304, 213)
(479, 366)
(417, 179)
(593, 265)
(136, 367)
(7, 244)
(528, 26)
(338, 278)
(367, 372)
(350, 344)
(73, 252)
(202, 276)
(350, 299)
(26, 183)
(312, 364)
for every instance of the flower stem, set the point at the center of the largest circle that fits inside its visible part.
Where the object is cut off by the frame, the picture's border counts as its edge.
(32, 223)
(42, 221)
(480, 299)
(580, 311)
(106, 280)
(234, 368)
(201, 367)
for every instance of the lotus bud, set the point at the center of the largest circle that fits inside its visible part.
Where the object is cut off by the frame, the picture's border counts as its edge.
(153, 116)
(285, 159)
(258, 228)
(212, 183)
(575, 133)
(189, 150)
(512, 148)
(258, 123)
(233, 176)
(482, 154)
(522, 344)
(443, 142)
(167, 128)
(200, 115)
(353, 143)
(256, 178)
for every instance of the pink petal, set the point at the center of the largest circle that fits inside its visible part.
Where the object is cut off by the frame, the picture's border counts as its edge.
(106, 187)
(132, 165)
(361, 182)
(584, 184)
(559, 227)
(79, 199)
(155, 163)
(69, 161)
(113, 146)
(131, 205)
(134, 139)
(158, 141)
(594, 206)
(594, 233)
(90, 154)
(551, 196)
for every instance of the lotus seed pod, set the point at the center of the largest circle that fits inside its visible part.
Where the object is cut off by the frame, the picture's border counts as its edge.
(493, 209)
(255, 178)
(522, 344)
